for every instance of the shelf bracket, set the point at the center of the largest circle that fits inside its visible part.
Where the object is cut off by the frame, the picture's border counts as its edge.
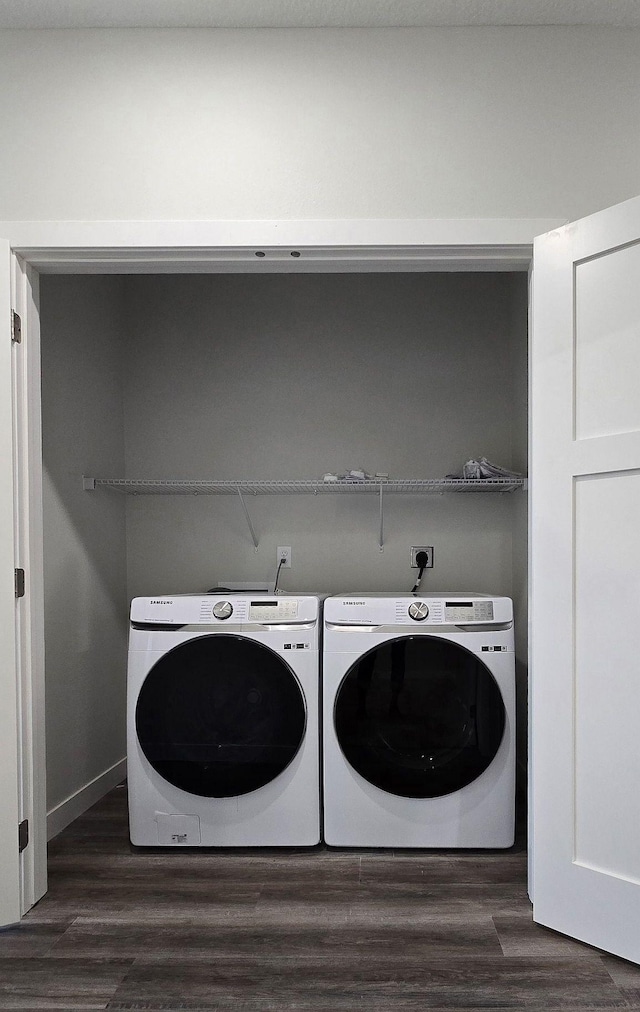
(381, 538)
(246, 513)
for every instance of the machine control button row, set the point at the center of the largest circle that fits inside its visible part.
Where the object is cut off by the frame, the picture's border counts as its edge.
(418, 611)
(223, 609)
(279, 610)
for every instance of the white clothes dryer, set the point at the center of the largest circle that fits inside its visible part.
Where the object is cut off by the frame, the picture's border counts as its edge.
(223, 721)
(419, 721)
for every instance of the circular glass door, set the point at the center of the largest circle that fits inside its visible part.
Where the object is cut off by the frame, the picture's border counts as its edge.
(220, 716)
(419, 717)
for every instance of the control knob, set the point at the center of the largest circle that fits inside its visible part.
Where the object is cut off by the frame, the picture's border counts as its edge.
(418, 611)
(223, 609)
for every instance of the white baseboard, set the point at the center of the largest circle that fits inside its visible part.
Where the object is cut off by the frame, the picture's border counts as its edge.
(64, 813)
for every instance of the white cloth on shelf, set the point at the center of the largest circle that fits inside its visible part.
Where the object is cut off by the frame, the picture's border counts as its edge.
(483, 468)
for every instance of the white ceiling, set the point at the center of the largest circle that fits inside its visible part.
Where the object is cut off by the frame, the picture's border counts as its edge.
(313, 13)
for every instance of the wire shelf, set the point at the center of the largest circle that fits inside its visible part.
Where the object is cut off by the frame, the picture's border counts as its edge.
(410, 486)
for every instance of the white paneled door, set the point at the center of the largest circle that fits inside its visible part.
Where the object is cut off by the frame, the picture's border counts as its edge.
(585, 580)
(9, 778)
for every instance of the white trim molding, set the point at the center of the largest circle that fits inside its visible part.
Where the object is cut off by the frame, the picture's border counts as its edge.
(77, 804)
(77, 247)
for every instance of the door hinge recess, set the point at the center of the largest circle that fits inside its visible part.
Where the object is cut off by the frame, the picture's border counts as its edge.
(20, 582)
(16, 328)
(23, 835)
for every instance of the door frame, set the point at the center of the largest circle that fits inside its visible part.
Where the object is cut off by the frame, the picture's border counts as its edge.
(138, 247)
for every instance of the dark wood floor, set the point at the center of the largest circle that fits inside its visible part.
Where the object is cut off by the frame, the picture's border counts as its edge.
(321, 930)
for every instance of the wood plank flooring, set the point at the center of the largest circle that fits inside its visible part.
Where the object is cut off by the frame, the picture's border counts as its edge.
(274, 931)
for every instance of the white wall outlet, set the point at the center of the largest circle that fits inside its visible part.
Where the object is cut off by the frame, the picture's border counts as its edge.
(422, 548)
(284, 553)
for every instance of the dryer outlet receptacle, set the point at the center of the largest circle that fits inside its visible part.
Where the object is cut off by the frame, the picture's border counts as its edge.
(284, 553)
(428, 549)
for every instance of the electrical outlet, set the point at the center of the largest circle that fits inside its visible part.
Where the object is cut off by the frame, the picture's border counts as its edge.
(284, 553)
(422, 548)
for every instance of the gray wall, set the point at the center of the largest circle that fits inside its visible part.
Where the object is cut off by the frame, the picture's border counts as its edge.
(289, 377)
(389, 123)
(84, 537)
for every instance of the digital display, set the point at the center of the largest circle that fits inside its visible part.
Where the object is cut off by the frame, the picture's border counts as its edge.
(278, 610)
(468, 611)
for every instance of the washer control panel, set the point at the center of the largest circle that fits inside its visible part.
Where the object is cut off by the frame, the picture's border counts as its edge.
(224, 609)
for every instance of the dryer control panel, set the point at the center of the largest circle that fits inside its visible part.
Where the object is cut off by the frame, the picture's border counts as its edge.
(423, 610)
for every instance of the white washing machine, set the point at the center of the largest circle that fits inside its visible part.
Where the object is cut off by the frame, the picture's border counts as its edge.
(419, 721)
(223, 721)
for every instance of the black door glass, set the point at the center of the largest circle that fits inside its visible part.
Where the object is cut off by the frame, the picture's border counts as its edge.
(419, 717)
(220, 716)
